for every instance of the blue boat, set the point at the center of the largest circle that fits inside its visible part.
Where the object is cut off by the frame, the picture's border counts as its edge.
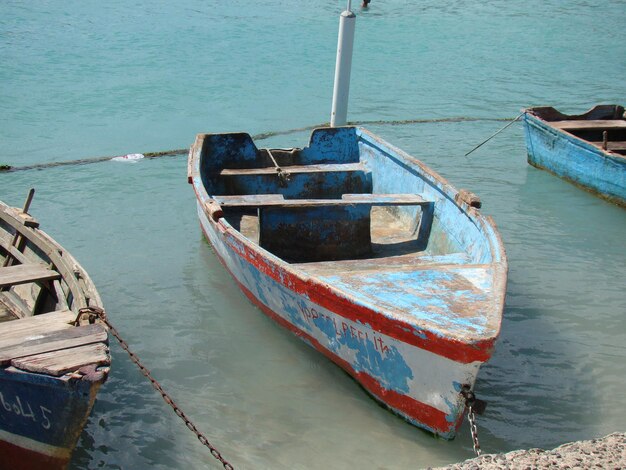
(586, 149)
(54, 352)
(365, 254)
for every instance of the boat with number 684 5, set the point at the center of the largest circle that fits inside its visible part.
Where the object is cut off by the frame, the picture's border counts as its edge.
(364, 253)
(54, 352)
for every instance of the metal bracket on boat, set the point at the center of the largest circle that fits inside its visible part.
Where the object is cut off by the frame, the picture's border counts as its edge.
(89, 315)
(283, 176)
(473, 405)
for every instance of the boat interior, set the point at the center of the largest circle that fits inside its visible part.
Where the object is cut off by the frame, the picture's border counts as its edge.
(42, 289)
(603, 126)
(305, 207)
(30, 283)
(357, 214)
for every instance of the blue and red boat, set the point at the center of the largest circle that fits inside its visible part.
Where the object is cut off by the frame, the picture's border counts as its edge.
(586, 149)
(364, 253)
(54, 352)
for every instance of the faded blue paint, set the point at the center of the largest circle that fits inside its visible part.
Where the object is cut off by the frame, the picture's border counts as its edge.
(291, 215)
(259, 281)
(440, 297)
(332, 145)
(46, 409)
(575, 160)
(455, 229)
(326, 325)
(389, 367)
(454, 414)
(313, 233)
(294, 312)
(329, 184)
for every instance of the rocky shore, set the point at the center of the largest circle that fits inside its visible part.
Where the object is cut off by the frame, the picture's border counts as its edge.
(606, 453)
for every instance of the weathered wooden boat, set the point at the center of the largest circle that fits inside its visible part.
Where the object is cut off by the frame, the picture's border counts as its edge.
(364, 253)
(54, 352)
(586, 149)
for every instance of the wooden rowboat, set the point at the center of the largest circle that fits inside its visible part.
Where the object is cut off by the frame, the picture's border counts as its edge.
(586, 149)
(53, 346)
(364, 253)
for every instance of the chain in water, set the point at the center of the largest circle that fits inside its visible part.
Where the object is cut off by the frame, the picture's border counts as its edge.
(258, 137)
(472, 403)
(95, 312)
(473, 429)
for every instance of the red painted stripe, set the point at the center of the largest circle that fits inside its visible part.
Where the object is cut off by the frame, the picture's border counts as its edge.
(17, 458)
(421, 412)
(332, 300)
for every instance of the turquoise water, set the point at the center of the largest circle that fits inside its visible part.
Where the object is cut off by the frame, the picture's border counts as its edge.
(86, 79)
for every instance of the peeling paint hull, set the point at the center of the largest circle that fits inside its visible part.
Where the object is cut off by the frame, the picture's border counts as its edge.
(412, 334)
(54, 352)
(576, 155)
(41, 418)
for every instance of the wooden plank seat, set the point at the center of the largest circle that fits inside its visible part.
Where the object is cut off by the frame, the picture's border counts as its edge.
(303, 181)
(58, 340)
(16, 331)
(295, 169)
(277, 200)
(589, 124)
(57, 363)
(50, 344)
(25, 273)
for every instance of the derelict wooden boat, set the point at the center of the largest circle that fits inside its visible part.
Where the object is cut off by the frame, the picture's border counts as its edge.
(364, 253)
(50, 369)
(586, 149)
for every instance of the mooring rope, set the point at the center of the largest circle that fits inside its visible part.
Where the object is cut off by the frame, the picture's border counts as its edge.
(258, 137)
(495, 134)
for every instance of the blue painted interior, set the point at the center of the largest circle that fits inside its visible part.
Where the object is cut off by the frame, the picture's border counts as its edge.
(453, 228)
(446, 227)
(327, 185)
(332, 145)
(303, 234)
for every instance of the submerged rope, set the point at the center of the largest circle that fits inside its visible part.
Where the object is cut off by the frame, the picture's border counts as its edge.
(258, 137)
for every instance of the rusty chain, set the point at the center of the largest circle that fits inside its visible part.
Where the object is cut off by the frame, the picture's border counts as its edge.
(473, 429)
(93, 313)
(470, 402)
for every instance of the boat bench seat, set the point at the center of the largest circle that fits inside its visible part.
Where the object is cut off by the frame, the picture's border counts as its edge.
(295, 169)
(50, 344)
(278, 200)
(25, 273)
(299, 181)
(305, 230)
(589, 124)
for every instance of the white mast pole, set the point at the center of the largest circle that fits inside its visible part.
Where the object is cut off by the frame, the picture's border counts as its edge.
(341, 90)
